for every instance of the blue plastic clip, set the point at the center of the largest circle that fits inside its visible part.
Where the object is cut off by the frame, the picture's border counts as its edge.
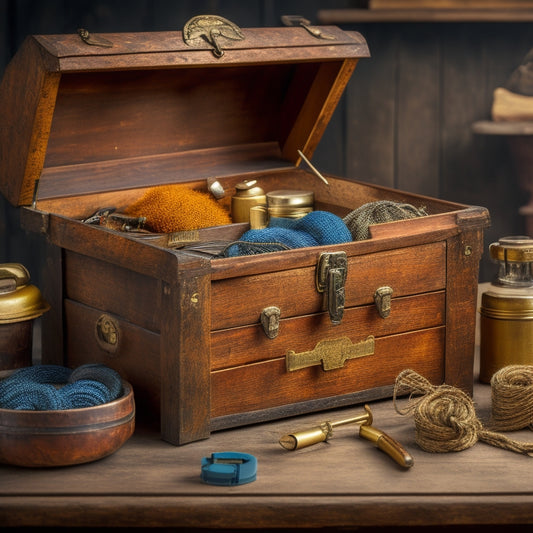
(229, 468)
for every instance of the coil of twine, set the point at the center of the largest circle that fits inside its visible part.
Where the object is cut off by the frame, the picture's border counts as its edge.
(512, 398)
(445, 417)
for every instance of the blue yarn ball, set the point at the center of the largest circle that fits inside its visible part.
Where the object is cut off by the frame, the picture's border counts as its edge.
(314, 229)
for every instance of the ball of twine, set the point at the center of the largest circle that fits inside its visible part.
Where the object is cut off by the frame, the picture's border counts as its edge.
(445, 417)
(512, 398)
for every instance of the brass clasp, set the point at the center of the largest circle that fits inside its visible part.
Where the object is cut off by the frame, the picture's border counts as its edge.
(330, 278)
(208, 29)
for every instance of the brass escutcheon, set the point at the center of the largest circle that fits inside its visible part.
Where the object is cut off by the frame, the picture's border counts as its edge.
(107, 333)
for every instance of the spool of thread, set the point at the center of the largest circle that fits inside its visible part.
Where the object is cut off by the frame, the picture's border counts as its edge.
(512, 398)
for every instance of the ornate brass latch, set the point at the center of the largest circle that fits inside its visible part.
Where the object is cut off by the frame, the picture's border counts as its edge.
(331, 354)
(209, 29)
(330, 277)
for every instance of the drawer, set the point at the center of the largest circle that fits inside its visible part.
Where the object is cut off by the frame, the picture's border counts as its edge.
(267, 384)
(249, 344)
(408, 271)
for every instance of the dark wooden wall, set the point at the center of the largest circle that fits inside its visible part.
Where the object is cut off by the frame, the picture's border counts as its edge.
(405, 120)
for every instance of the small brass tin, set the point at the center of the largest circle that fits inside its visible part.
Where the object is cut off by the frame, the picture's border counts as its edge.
(290, 203)
(20, 304)
(506, 312)
(247, 195)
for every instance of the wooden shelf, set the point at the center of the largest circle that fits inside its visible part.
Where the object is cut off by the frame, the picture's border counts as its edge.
(347, 16)
(488, 127)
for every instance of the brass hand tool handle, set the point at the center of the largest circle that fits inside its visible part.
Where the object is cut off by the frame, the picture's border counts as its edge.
(387, 444)
(321, 433)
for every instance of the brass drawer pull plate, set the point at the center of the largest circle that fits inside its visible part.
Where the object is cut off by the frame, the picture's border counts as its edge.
(330, 353)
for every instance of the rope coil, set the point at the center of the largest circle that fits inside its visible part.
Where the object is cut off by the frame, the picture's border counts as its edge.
(445, 417)
(512, 398)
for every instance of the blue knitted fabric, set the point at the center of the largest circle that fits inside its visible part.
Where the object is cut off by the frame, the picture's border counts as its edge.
(314, 229)
(54, 387)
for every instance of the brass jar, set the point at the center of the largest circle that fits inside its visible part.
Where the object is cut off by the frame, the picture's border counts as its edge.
(290, 203)
(506, 312)
(247, 195)
(20, 304)
(282, 204)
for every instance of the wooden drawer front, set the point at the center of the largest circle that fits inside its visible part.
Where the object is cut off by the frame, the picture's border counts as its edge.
(267, 384)
(249, 344)
(121, 291)
(408, 271)
(136, 357)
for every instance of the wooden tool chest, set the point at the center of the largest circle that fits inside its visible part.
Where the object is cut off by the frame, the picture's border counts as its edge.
(87, 126)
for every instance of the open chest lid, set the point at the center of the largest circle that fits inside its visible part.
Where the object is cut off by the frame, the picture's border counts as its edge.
(141, 109)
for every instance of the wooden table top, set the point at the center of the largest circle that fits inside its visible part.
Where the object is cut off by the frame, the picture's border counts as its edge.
(346, 482)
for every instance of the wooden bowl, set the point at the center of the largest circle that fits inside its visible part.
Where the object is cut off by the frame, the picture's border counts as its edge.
(66, 437)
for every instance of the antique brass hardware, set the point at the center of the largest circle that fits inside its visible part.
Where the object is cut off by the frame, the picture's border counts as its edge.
(330, 277)
(210, 28)
(383, 300)
(324, 431)
(330, 353)
(270, 321)
(94, 40)
(107, 333)
(321, 433)
(297, 20)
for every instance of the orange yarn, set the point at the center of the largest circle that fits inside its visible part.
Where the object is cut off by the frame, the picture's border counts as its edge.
(170, 208)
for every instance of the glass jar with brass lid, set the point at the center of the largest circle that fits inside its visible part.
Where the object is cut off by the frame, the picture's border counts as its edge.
(506, 312)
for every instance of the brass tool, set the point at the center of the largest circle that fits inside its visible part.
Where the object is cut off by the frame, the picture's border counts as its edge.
(324, 431)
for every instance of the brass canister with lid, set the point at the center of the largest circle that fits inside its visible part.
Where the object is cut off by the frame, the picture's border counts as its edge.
(247, 195)
(506, 312)
(290, 203)
(20, 304)
(283, 203)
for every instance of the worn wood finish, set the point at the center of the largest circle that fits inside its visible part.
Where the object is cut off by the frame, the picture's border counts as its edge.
(114, 133)
(346, 483)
